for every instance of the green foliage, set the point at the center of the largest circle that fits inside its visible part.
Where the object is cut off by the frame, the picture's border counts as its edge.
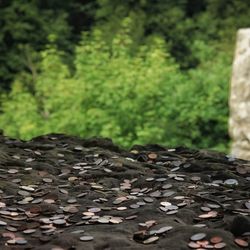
(180, 22)
(25, 27)
(145, 71)
(132, 97)
(202, 103)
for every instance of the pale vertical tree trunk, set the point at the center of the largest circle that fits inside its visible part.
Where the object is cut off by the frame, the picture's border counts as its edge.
(239, 122)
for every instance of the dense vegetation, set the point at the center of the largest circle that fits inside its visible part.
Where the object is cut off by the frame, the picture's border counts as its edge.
(135, 71)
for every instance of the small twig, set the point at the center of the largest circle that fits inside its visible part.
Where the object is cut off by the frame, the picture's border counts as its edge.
(211, 200)
(237, 199)
(221, 205)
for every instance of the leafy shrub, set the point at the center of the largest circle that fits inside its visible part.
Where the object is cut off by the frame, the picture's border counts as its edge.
(131, 96)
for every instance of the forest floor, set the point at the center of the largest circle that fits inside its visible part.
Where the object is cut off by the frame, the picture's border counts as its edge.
(61, 192)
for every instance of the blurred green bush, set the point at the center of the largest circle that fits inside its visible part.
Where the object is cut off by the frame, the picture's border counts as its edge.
(130, 95)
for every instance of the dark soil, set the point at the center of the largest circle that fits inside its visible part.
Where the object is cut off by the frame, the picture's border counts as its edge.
(61, 192)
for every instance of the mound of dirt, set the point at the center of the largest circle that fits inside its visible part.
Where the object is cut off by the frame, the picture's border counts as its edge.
(61, 192)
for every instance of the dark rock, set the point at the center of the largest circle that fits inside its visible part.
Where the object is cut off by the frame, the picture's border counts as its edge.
(57, 184)
(240, 225)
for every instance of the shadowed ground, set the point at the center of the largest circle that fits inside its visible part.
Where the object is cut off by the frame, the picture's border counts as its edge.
(61, 192)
